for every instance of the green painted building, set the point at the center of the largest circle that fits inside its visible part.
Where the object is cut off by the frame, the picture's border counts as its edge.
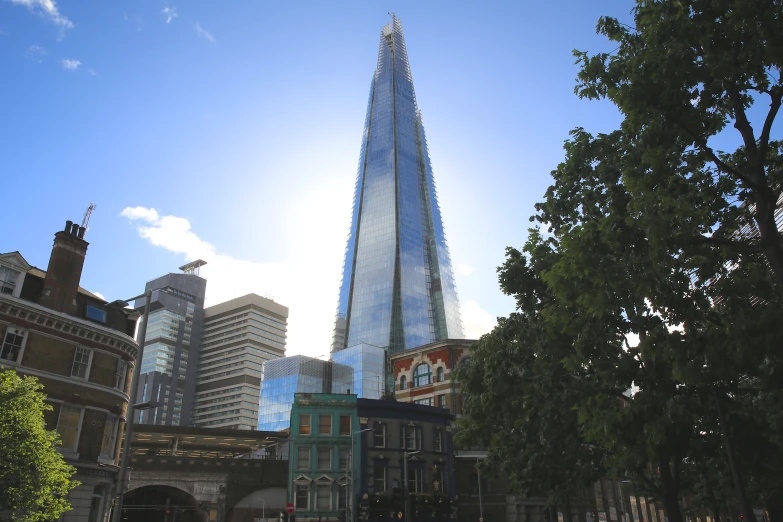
(322, 426)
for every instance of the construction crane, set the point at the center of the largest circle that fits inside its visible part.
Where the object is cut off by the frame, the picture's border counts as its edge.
(87, 215)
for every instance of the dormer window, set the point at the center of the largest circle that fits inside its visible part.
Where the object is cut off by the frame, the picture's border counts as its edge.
(8, 279)
(96, 314)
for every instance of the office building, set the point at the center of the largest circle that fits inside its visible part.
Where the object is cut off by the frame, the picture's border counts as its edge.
(172, 346)
(398, 290)
(238, 337)
(81, 349)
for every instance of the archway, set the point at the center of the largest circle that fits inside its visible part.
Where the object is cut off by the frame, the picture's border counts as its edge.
(161, 504)
(265, 502)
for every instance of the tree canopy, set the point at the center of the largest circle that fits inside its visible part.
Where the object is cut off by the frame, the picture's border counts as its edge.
(646, 341)
(34, 478)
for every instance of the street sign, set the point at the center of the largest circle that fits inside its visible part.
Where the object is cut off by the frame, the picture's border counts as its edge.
(290, 508)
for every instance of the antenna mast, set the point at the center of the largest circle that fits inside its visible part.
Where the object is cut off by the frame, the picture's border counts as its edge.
(87, 215)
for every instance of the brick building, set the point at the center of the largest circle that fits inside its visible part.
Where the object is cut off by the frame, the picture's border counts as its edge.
(81, 349)
(424, 375)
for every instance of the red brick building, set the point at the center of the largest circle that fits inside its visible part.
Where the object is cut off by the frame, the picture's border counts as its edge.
(82, 350)
(423, 375)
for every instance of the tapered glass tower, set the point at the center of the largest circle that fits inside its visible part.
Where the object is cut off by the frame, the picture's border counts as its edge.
(398, 289)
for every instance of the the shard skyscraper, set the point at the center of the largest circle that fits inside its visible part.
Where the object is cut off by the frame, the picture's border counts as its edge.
(398, 289)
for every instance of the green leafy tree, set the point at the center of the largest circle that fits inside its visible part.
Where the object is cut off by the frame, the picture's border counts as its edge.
(664, 319)
(34, 478)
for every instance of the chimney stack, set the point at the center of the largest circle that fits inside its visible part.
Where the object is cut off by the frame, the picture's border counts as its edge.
(65, 269)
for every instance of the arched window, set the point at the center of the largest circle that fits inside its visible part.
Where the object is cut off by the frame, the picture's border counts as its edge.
(439, 374)
(403, 382)
(422, 375)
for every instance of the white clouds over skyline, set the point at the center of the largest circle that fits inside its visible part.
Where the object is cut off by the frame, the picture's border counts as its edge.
(203, 33)
(35, 53)
(47, 9)
(70, 65)
(304, 284)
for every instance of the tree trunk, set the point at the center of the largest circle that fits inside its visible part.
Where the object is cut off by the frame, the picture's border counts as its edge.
(670, 491)
(768, 230)
(745, 506)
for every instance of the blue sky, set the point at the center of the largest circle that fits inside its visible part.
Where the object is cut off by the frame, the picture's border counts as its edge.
(235, 127)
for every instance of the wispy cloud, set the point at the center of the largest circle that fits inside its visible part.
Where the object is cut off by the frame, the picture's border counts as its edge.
(48, 9)
(203, 33)
(136, 20)
(170, 13)
(70, 65)
(35, 53)
(92, 72)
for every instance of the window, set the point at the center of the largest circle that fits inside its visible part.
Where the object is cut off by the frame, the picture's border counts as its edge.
(323, 496)
(8, 279)
(325, 459)
(302, 497)
(341, 492)
(304, 425)
(119, 377)
(403, 382)
(96, 314)
(68, 426)
(81, 362)
(437, 440)
(379, 477)
(109, 436)
(424, 402)
(303, 457)
(440, 374)
(345, 424)
(415, 480)
(422, 375)
(411, 437)
(324, 425)
(12, 344)
(441, 401)
(344, 459)
(379, 435)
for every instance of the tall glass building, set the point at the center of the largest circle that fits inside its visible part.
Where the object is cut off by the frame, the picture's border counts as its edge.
(398, 289)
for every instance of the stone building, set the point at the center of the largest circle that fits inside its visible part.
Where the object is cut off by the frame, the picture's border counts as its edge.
(81, 349)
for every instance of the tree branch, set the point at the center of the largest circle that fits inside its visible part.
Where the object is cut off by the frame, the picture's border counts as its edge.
(776, 93)
(742, 124)
(702, 144)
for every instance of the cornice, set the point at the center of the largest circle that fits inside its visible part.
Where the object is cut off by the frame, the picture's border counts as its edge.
(63, 323)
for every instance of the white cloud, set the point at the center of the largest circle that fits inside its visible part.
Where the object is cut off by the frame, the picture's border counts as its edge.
(147, 214)
(136, 20)
(92, 72)
(35, 53)
(475, 320)
(463, 269)
(310, 297)
(204, 33)
(70, 65)
(47, 9)
(170, 13)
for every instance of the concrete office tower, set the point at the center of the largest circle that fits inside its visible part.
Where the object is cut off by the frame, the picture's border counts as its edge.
(398, 289)
(172, 346)
(239, 336)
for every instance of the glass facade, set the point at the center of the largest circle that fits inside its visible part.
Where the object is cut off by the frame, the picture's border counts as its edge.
(280, 380)
(360, 370)
(398, 290)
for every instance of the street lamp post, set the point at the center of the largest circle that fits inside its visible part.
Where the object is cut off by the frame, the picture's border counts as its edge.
(626, 517)
(481, 504)
(405, 483)
(122, 483)
(353, 492)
